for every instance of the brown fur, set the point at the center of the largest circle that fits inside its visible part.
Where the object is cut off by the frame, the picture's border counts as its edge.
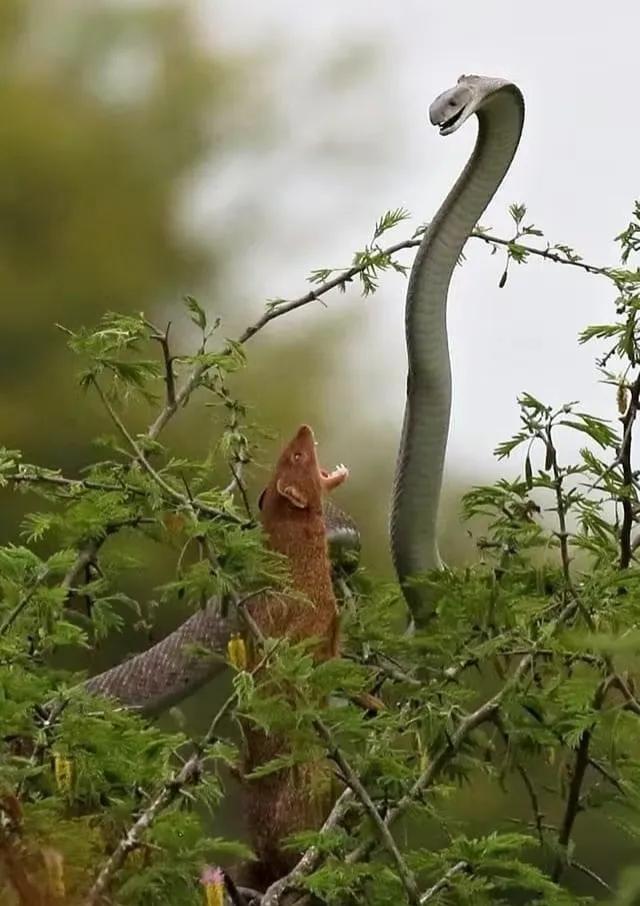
(292, 799)
(25, 865)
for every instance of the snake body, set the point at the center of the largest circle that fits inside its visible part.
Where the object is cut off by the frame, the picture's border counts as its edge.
(195, 652)
(418, 480)
(171, 670)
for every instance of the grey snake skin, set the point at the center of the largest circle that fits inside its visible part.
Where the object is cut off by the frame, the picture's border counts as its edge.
(174, 668)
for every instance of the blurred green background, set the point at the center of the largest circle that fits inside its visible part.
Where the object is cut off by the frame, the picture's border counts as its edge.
(107, 112)
(114, 114)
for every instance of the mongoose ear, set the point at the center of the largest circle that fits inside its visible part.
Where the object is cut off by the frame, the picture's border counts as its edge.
(261, 498)
(293, 494)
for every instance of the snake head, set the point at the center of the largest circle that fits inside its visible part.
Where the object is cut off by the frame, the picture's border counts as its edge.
(455, 105)
(298, 479)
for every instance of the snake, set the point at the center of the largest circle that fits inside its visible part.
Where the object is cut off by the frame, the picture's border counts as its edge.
(172, 669)
(195, 653)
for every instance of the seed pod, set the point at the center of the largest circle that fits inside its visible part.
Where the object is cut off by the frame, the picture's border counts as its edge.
(237, 652)
(622, 398)
(63, 771)
(548, 462)
(528, 472)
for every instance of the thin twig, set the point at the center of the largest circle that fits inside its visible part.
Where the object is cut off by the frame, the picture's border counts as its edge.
(593, 763)
(590, 873)
(79, 484)
(49, 715)
(626, 500)
(387, 668)
(444, 881)
(144, 462)
(241, 606)
(538, 816)
(631, 703)
(596, 485)
(84, 558)
(240, 485)
(354, 782)
(346, 276)
(283, 307)
(182, 398)
(625, 533)
(23, 602)
(169, 375)
(439, 761)
(624, 459)
(436, 765)
(338, 282)
(547, 254)
(573, 805)
(190, 773)
(563, 533)
(310, 859)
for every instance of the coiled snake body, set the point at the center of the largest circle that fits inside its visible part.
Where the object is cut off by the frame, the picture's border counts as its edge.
(168, 672)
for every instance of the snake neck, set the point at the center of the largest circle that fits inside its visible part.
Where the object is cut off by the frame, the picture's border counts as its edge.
(421, 456)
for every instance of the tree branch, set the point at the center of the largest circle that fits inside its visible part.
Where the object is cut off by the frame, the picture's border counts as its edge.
(628, 421)
(547, 254)
(406, 876)
(450, 749)
(310, 859)
(181, 399)
(590, 873)
(538, 816)
(345, 276)
(23, 602)
(444, 881)
(573, 799)
(177, 496)
(190, 773)
(169, 375)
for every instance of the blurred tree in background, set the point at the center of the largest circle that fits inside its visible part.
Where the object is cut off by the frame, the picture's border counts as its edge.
(106, 110)
(110, 111)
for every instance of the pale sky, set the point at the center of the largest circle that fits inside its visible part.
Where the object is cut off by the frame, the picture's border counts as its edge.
(577, 170)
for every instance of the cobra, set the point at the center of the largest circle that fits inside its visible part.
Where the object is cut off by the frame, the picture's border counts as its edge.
(167, 672)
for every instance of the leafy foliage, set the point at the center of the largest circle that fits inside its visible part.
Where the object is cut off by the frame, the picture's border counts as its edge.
(521, 686)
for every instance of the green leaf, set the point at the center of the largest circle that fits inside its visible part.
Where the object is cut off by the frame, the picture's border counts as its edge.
(198, 314)
(389, 220)
(517, 212)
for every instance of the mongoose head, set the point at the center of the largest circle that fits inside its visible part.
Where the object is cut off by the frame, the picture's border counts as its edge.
(298, 479)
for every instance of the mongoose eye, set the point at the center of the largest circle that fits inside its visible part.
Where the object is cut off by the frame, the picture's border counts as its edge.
(297, 457)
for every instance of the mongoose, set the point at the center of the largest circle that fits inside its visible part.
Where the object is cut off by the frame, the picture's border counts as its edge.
(292, 799)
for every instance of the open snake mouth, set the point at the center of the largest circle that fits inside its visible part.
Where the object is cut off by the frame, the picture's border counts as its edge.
(450, 124)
